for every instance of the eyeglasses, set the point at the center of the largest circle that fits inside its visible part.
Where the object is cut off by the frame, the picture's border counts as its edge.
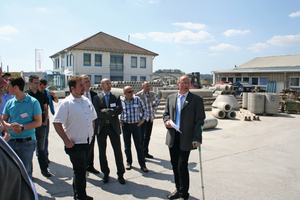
(129, 92)
(182, 83)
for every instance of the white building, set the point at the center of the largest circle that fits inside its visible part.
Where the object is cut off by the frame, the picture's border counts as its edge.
(104, 56)
(273, 73)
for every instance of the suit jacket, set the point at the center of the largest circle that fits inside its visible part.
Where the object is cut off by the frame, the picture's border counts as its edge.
(92, 95)
(99, 104)
(191, 120)
(15, 183)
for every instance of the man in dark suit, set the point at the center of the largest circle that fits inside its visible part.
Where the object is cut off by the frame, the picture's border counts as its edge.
(108, 107)
(184, 118)
(90, 95)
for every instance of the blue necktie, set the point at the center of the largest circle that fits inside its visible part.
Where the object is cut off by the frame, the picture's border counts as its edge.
(106, 100)
(178, 110)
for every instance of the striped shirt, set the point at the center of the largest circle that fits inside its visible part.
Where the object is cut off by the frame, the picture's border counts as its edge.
(133, 111)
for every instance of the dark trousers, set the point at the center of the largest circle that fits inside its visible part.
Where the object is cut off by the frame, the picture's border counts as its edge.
(133, 129)
(79, 154)
(47, 140)
(91, 158)
(115, 141)
(40, 134)
(179, 161)
(146, 129)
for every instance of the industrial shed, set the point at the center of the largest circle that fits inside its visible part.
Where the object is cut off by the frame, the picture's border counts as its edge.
(271, 73)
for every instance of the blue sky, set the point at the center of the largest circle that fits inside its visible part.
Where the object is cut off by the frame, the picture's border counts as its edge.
(190, 35)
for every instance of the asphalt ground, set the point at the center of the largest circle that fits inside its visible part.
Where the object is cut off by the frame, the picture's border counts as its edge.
(241, 160)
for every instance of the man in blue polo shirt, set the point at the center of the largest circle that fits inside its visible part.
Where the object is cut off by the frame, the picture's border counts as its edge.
(25, 115)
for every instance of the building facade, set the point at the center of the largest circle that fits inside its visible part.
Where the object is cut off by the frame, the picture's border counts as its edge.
(104, 56)
(280, 72)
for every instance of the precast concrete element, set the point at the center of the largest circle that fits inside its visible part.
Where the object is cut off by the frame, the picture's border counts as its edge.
(231, 114)
(118, 91)
(210, 123)
(272, 103)
(201, 92)
(60, 93)
(224, 106)
(229, 99)
(222, 87)
(220, 92)
(231, 88)
(233, 92)
(256, 102)
(245, 100)
(212, 88)
(218, 113)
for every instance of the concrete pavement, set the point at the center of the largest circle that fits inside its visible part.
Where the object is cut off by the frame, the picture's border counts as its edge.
(241, 160)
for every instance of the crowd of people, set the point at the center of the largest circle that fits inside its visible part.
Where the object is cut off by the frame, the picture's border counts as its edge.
(85, 116)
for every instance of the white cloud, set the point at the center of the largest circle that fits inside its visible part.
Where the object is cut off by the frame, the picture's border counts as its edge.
(232, 32)
(6, 30)
(296, 14)
(256, 48)
(284, 41)
(214, 54)
(222, 47)
(5, 38)
(190, 25)
(185, 37)
(42, 9)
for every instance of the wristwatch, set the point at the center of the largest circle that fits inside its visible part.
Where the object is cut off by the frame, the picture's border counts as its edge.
(23, 127)
(103, 109)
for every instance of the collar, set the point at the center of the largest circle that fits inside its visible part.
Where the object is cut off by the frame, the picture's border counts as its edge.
(185, 94)
(105, 93)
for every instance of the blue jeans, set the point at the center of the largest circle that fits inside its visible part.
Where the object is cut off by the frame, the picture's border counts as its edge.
(25, 152)
(133, 129)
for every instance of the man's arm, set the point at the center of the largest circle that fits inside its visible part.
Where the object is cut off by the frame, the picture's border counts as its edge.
(61, 132)
(46, 114)
(54, 98)
(17, 128)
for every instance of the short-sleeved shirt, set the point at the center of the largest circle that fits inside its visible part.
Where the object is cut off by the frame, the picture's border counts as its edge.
(133, 111)
(42, 98)
(76, 115)
(22, 112)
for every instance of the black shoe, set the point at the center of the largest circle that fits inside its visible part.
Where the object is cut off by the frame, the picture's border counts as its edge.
(144, 169)
(105, 179)
(128, 166)
(92, 170)
(48, 161)
(46, 173)
(88, 198)
(148, 156)
(173, 195)
(121, 180)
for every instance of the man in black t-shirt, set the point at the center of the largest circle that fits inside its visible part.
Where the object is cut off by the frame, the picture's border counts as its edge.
(40, 132)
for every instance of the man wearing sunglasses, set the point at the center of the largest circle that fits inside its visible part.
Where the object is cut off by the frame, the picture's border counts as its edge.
(133, 116)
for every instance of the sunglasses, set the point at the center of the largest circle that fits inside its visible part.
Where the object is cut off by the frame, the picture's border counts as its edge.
(129, 92)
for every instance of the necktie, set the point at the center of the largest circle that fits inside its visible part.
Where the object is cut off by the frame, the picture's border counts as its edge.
(178, 110)
(106, 100)
(87, 95)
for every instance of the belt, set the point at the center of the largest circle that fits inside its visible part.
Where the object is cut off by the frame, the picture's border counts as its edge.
(21, 139)
(107, 121)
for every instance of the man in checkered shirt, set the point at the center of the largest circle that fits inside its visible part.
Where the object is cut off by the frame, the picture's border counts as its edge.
(132, 117)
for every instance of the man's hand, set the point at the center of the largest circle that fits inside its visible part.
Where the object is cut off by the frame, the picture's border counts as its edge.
(196, 144)
(16, 128)
(68, 143)
(168, 124)
(121, 123)
(140, 122)
(6, 136)
(44, 123)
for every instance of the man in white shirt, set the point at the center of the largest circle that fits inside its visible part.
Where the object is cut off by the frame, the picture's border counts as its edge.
(77, 113)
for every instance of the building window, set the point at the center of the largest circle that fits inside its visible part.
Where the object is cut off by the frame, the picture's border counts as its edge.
(57, 63)
(70, 62)
(263, 81)
(230, 79)
(133, 78)
(254, 81)
(246, 79)
(238, 79)
(67, 60)
(294, 82)
(143, 62)
(87, 59)
(116, 78)
(98, 79)
(224, 79)
(98, 60)
(142, 78)
(133, 62)
(62, 61)
(116, 63)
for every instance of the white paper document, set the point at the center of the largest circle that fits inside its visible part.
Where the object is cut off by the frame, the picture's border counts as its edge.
(175, 126)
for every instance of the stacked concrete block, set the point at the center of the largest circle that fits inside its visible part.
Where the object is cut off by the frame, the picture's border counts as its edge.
(224, 107)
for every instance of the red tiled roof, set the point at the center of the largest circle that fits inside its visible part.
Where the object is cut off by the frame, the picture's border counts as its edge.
(104, 42)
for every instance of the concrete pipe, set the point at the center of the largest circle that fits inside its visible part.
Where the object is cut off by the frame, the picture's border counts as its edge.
(272, 103)
(222, 87)
(218, 113)
(224, 106)
(218, 92)
(231, 114)
(230, 87)
(165, 93)
(245, 100)
(210, 123)
(202, 92)
(212, 88)
(257, 103)
(117, 91)
(230, 99)
(233, 92)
